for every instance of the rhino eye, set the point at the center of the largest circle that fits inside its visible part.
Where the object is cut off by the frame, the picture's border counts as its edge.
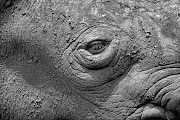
(98, 46)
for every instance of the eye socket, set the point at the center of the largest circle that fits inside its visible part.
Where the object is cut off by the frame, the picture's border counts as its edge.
(98, 46)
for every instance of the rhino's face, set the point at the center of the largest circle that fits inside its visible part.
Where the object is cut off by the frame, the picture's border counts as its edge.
(90, 60)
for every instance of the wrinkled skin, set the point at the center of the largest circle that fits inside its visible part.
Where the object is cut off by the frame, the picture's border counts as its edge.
(89, 60)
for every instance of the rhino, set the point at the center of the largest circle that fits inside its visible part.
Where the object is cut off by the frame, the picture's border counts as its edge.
(89, 59)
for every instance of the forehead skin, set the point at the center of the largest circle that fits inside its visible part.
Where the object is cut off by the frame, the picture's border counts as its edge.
(51, 23)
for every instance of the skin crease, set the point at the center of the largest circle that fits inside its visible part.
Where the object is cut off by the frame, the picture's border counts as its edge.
(47, 72)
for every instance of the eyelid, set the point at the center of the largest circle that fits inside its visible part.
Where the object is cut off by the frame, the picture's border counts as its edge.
(97, 41)
(96, 34)
(97, 61)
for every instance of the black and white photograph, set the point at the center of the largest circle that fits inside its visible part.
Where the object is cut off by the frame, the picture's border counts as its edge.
(89, 59)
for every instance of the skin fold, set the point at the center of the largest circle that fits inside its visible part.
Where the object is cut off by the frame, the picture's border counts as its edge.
(89, 60)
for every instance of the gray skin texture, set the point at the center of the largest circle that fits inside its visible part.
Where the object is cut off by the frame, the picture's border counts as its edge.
(89, 60)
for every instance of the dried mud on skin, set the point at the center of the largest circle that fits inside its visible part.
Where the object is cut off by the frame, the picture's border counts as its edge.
(41, 45)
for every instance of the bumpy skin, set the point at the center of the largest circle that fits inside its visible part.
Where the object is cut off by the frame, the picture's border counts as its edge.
(49, 71)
